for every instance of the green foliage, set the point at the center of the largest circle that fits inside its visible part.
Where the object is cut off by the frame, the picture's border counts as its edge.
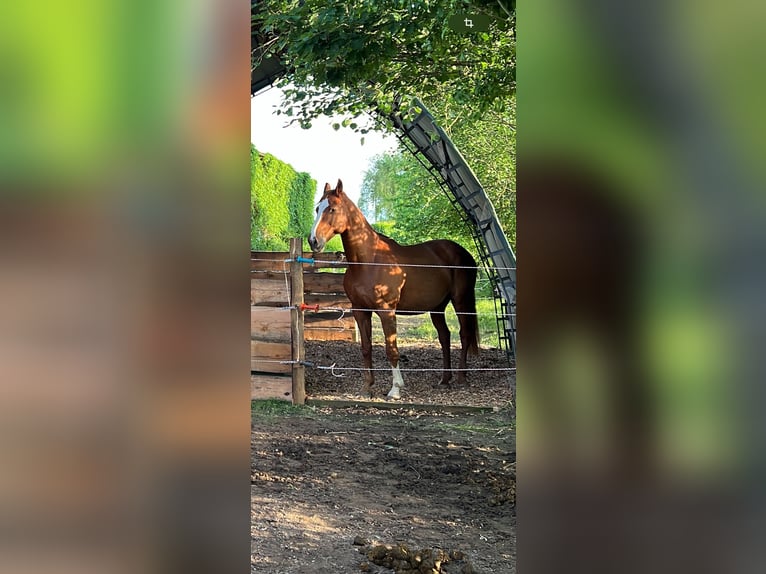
(301, 205)
(489, 146)
(379, 188)
(348, 57)
(405, 203)
(335, 244)
(385, 227)
(281, 202)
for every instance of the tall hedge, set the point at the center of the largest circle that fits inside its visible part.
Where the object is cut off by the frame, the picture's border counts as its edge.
(301, 205)
(281, 202)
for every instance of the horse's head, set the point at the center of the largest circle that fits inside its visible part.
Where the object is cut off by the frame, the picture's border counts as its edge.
(331, 219)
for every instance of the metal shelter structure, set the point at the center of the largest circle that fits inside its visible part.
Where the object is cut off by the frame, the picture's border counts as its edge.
(269, 69)
(423, 137)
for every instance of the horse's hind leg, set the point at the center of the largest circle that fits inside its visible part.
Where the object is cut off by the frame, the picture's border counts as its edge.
(468, 336)
(364, 322)
(388, 321)
(464, 301)
(439, 321)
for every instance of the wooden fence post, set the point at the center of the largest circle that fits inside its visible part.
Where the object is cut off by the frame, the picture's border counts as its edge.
(296, 321)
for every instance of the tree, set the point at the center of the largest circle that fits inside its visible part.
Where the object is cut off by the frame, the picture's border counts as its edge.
(489, 146)
(348, 57)
(382, 182)
(416, 209)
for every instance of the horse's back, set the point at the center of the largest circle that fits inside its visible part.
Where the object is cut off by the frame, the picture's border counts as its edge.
(448, 271)
(442, 252)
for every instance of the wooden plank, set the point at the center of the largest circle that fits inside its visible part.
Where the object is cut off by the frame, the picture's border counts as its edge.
(327, 300)
(330, 335)
(263, 354)
(269, 274)
(260, 365)
(390, 405)
(268, 260)
(281, 255)
(328, 319)
(334, 259)
(330, 327)
(268, 350)
(268, 291)
(275, 260)
(296, 323)
(264, 387)
(323, 282)
(269, 324)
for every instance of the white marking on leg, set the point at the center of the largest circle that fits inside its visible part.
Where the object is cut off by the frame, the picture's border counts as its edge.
(324, 204)
(398, 384)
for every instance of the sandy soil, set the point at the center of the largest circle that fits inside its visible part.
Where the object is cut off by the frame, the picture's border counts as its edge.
(323, 479)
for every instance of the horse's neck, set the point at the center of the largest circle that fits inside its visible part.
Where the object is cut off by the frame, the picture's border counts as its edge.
(360, 239)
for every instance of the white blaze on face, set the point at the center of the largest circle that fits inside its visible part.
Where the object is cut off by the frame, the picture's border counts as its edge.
(398, 384)
(324, 204)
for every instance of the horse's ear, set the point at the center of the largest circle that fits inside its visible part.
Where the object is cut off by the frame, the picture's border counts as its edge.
(326, 187)
(339, 187)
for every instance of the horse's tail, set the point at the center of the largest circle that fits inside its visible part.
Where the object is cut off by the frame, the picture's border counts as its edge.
(471, 320)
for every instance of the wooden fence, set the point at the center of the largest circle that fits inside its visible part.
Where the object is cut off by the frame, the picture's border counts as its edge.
(278, 327)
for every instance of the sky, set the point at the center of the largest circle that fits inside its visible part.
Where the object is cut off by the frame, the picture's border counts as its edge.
(327, 155)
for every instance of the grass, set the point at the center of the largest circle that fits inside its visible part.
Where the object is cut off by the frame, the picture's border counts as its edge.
(276, 408)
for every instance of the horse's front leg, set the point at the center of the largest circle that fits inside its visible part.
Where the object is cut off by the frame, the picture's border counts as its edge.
(388, 320)
(364, 322)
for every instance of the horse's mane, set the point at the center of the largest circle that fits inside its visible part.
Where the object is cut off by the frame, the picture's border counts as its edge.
(381, 235)
(385, 237)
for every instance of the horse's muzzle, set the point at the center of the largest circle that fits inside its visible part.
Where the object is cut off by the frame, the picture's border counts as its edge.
(316, 247)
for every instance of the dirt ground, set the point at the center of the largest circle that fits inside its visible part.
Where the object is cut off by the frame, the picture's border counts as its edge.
(492, 387)
(323, 479)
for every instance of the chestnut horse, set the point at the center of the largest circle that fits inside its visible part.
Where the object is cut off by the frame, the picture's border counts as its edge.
(405, 279)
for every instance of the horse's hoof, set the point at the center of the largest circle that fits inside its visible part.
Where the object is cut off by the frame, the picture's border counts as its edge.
(442, 386)
(394, 396)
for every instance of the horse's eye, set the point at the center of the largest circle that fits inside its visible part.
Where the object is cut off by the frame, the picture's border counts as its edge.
(332, 210)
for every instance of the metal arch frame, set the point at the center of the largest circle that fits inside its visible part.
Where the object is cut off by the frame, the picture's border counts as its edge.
(433, 148)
